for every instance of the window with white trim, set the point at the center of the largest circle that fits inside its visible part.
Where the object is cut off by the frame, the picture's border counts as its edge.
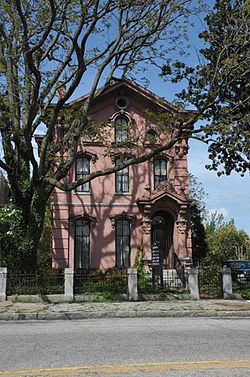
(82, 170)
(121, 178)
(160, 171)
(121, 129)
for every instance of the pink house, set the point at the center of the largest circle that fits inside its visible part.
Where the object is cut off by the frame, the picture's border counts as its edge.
(102, 223)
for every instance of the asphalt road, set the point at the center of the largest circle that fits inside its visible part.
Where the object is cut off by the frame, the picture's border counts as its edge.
(126, 347)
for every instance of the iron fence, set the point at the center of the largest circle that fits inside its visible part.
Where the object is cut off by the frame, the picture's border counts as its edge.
(169, 281)
(23, 283)
(210, 285)
(113, 281)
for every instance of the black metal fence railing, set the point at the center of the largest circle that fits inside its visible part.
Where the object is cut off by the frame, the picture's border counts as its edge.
(209, 286)
(113, 281)
(170, 281)
(22, 283)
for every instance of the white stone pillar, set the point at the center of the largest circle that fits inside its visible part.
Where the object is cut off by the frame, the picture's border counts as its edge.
(68, 284)
(3, 283)
(193, 285)
(132, 284)
(227, 282)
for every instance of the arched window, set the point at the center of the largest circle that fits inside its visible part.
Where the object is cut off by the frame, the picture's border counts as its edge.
(82, 169)
(160, 171)
(121, 129)
(122, 243)
(121, 178)
(82, 244)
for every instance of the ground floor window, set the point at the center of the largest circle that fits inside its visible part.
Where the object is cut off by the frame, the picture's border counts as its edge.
(122, 243)
(82, 243)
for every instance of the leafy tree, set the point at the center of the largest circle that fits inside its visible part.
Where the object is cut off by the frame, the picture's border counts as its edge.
(46, 44)
(219, 86)
(214, 221)
(223, 244)
(197, 211)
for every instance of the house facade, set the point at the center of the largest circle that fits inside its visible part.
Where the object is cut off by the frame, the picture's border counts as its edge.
(102, 223)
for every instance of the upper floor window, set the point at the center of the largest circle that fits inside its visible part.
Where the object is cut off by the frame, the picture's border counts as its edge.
(82, 170)
(122, 243)
(121, 178)
(121, 129)
(160, 171)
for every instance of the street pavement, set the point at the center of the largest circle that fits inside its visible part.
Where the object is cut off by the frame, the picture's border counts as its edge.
(91, 310)
(127, 347)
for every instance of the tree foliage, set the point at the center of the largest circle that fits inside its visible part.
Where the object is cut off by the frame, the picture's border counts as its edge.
(197, 213)
(223, 243)
(219, 86)
(47, 44)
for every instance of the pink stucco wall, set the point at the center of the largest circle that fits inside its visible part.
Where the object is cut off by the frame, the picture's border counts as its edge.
(142, 201)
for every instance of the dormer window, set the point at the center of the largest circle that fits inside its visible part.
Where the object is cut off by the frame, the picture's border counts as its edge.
(160, 171)
(121, 129)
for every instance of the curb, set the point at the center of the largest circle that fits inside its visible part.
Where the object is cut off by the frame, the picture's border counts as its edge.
(129, 314)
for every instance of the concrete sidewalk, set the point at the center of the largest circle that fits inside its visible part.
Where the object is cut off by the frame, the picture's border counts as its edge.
(90, 310)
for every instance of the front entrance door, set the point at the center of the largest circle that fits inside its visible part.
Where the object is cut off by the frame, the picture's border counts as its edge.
(162, 231)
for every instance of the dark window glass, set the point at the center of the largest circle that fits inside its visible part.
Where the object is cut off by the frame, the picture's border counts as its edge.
(82, 169)
(121, 178)
(82, 243)
(121, 129)
(122, 243)
(152, 134)
(160, 171)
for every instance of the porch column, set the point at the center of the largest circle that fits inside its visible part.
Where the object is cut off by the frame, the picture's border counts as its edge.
(182, 225)
(146, 227)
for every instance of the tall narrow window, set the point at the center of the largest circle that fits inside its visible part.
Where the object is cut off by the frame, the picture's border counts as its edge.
(121, 129)
(82, 169)
(82, 233)
(121, 178)
(122, 243)
(160, 171)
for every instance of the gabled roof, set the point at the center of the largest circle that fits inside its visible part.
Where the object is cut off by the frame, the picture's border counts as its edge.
(136, 88)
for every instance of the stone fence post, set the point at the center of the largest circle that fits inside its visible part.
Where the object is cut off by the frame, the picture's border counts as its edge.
(68, 284)
(227, 288)
(3, 283)
(193, 285)
(132, 284)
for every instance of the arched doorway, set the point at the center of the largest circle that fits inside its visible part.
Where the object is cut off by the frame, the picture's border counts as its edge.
(162, 231)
